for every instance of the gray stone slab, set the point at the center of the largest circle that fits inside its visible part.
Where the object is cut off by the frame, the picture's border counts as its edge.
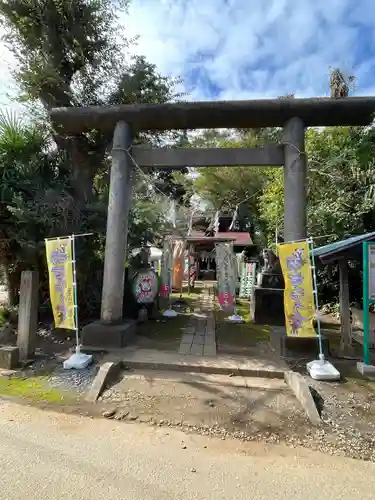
(28, 314)
(189, 330)
(187, 339)
(302, 392)
(210, 342)
(199, 336)
(197, 349)
(210, 337)
(198, 340)
(9, 357)
(209, 350)
(184, 349)
(107, 373)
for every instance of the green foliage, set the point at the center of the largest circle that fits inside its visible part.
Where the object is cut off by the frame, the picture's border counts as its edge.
(57, 42)
(341, 189)
(34, 196)
(71, 53)
(226, 188)
(341, 195)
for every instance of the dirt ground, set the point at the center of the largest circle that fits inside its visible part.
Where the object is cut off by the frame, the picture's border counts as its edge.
(216, 404)
(249, 410)
(264, 410)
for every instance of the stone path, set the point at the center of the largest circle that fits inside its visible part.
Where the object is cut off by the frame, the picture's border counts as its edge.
(199, 336)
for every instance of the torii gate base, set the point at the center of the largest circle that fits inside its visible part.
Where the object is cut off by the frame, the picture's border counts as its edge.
(291, 114)
(108, 335)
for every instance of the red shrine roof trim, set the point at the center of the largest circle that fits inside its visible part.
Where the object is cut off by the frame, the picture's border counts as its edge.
(239, 239)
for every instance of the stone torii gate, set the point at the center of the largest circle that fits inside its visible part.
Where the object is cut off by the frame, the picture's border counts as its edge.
(291, 114)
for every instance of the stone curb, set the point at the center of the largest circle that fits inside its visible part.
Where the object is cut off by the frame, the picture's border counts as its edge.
(211, 370)
(301, 389)
(107, 373)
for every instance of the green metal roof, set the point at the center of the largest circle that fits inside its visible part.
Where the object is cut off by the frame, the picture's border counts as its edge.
(332, 250)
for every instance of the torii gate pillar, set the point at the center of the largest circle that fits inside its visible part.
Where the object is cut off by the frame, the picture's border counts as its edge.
(295, 181)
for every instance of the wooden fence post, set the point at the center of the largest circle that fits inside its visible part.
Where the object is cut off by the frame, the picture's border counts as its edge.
(28, 314)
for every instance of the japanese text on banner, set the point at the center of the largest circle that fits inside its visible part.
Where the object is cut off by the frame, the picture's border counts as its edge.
(226, 276)
(60, 269)
(298, 295)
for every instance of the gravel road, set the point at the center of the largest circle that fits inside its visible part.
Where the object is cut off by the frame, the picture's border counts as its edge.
(51, 456)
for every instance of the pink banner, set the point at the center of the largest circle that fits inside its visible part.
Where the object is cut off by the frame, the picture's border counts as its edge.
(164, 291)
(226, 300)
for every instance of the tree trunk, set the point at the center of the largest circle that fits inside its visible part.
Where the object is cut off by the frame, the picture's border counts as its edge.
(13, 280)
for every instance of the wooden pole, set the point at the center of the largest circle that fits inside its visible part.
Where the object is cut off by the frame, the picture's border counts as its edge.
(346, 328)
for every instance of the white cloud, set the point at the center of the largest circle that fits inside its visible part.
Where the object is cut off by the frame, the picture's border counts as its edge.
(250, 48)
(243, 49)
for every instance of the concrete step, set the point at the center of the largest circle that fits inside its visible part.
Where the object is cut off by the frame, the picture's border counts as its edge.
(217, 365)
(205, 378)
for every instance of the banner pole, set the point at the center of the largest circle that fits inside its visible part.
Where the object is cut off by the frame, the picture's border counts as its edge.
(78, 360)
(312, 264)
(319, 369)
(78, 347)
(66, 237)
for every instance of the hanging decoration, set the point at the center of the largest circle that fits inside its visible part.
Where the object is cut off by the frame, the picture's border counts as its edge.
(145, 286)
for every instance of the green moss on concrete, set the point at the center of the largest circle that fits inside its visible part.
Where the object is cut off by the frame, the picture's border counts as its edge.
(33, 389)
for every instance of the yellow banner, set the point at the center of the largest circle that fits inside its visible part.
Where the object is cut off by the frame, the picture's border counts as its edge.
(60, 269)
(299, 291)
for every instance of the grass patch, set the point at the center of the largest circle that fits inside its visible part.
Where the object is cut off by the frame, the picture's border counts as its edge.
(3, 317)
(164, 329)
(246, 334)
(191, 300)
(32, 388)
(165, 333)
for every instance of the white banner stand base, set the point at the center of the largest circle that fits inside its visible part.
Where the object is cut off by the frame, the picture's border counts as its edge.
(235, 319)
(78, 360)
(170, 313)
(320, 369)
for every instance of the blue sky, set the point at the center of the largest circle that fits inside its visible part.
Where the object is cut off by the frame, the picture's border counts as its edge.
(243, 49)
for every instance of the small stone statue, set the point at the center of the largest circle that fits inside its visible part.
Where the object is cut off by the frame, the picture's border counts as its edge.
(271, 263)
(271, 274)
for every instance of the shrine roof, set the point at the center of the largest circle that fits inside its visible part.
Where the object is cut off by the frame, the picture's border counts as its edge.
(321, 111)
(239, 239)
